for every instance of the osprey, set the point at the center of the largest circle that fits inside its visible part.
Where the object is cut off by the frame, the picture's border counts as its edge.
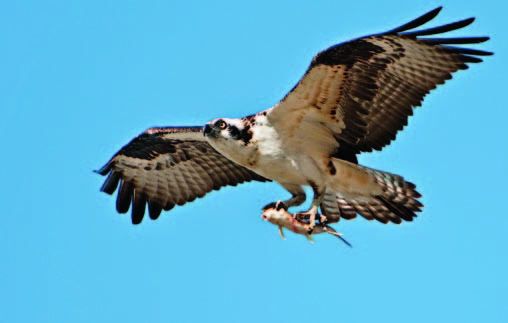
(354, 98)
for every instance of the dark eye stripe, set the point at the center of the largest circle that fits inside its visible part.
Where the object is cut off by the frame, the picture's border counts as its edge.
(234, 131)
(246, 135)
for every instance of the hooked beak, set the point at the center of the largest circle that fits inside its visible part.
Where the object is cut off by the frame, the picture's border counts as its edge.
(208, 129)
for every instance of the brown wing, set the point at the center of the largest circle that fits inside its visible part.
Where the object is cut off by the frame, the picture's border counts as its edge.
(364, 90)
(168, 166)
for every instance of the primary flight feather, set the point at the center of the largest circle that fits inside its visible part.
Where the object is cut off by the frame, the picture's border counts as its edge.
(353, 98)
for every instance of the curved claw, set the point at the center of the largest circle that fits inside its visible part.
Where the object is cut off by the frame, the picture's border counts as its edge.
(301, 216)
(311, 215)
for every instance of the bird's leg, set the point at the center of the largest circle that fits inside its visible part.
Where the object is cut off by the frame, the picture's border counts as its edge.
(298, 197)
(319, 195)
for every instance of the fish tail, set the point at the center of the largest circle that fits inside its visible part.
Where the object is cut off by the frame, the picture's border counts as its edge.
(338, 235)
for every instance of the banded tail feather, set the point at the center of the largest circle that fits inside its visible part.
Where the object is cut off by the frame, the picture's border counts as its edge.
(391, 199)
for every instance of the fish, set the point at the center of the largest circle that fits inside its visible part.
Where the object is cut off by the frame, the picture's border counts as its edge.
(284, 219)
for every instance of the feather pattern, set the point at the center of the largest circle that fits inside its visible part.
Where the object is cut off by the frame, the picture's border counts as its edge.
(397, 201)
(364, 90)
(354, 97)
(168, 166)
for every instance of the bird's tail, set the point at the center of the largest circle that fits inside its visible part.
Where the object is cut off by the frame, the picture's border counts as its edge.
(374, 194)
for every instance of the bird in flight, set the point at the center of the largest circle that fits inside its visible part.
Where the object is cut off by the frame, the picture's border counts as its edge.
(354, 97)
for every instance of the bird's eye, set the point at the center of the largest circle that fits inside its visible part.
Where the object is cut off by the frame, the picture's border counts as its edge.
(221, 124)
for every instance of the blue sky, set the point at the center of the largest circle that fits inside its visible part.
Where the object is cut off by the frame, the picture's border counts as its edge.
(79, 79)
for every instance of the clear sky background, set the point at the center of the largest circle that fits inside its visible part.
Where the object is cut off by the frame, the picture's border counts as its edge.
(79, 79)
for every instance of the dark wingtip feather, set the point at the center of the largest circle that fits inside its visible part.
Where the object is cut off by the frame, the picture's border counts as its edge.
(440, 29)
(124, 197)
(470, 59)
(417, 22)
(111, 183)
(138, 207)
(455, 41)
(168, 206)
(467, 51)
(104, 169)
(154, 210)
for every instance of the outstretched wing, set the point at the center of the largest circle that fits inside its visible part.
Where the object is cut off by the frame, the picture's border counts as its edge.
(363, 91)
(168, 166)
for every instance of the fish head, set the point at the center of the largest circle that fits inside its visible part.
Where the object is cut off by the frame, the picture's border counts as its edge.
(272, 215)
(268, 215)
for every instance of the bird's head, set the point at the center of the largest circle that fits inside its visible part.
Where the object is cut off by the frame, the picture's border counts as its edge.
(228, 129)
(231, 137)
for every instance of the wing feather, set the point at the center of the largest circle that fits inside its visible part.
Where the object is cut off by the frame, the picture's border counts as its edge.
(138, 206)
(154, 210)
(123, 201)
(455, 41)
(422, 20)
(168, 166)
(364, 90)
(440, 29)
